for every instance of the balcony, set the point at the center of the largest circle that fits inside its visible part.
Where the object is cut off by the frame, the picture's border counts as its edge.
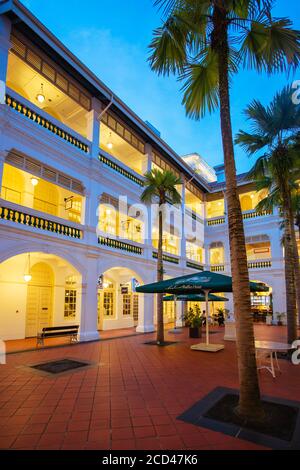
(31, 218)
(167, 258)
(194, 265)
(120, 168)
(42, 119)
(260, 264)
(255, 214)
(217, 268)
(120, 245)
(216, 221)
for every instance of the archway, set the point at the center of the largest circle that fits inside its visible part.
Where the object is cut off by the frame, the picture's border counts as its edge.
(262, 303)
(118, 303)
(38, 289)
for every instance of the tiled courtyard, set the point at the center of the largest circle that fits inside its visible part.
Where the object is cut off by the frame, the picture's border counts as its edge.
(128, 399)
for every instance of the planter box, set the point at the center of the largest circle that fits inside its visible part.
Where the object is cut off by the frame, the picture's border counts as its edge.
(195, 332)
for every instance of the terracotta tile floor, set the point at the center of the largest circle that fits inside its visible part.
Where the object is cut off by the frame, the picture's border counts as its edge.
(129, 400)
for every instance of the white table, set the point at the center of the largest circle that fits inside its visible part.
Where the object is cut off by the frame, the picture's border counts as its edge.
(272, 348)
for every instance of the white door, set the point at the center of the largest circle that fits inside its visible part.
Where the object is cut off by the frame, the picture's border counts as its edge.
(39, 299)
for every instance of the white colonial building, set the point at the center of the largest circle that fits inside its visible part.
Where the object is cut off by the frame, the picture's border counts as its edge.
(70, 252)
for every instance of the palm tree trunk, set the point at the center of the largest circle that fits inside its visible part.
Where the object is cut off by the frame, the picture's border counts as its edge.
(249, 402)
(160, 276)
(296, 263)
(289, 262)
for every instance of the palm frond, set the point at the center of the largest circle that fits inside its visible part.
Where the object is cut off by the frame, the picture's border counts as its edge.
(201, 87)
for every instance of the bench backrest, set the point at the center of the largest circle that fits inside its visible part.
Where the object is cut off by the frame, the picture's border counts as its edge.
(65, 329)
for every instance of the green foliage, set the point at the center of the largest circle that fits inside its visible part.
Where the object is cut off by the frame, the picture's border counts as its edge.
(193, 317)
(188, 44)
(275, 132)
(161, 186)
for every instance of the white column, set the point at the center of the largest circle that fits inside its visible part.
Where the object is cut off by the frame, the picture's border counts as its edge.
(88, 323)
(148, 218)
(183, 239)
(146, 314)
(5, 29)
(276, 249)
(147, 166)
(93, 127)
(179, 314)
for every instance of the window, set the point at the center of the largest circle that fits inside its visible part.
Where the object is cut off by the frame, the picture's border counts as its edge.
(70, 303)
(74, 213)
(108, 303)
(70, 297)
(126, 304)
(135, 307)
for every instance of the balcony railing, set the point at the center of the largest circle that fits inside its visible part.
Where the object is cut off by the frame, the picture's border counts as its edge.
(216, 221)
(254, 214)
(167, 258)
(119, 245)
(118, 168)
(260, 264)
(193, 265)
(31, 220)
(217, 268)
(37, 116)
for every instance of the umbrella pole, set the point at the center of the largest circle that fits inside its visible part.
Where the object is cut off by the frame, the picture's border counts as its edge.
(175, 312)
(206, 315)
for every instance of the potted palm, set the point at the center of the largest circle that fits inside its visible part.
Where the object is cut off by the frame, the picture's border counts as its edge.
(193, 320)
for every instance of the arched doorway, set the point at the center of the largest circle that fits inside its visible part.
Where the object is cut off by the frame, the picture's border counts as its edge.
(39, 309)
(262, 303)
(118, 303)
(37, 290)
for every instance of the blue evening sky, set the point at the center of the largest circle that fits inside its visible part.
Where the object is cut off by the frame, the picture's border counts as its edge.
(111, 38)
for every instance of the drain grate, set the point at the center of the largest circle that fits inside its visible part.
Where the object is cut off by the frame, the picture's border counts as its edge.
(57, 367)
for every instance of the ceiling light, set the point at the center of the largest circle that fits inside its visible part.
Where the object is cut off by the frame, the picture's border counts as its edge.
(34, 181)
(40, 96)
(105, 285)
(109, 143)
(27, 277)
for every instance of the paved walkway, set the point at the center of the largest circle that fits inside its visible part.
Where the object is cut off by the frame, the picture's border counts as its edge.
(129, 399)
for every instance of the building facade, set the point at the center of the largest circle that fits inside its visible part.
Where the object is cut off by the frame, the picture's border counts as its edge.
(75, 239)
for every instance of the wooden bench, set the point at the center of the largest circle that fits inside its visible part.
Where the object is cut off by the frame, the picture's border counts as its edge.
(56, 332)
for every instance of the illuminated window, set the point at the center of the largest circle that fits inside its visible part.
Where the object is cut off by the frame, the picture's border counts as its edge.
(126, 304)
(169, 311)
(215, 209)
(70, 297)
(194, 252)
(135, 307)
(108, 303)
(74, 213)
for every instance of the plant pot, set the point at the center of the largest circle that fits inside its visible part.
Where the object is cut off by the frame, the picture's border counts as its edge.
(269, 320)
(195, 332)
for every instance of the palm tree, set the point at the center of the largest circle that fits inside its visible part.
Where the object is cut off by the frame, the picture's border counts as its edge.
(205, 42)
(273, 131)
(160, 187)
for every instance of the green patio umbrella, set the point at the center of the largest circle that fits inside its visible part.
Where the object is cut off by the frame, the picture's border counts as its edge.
(205, 282)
